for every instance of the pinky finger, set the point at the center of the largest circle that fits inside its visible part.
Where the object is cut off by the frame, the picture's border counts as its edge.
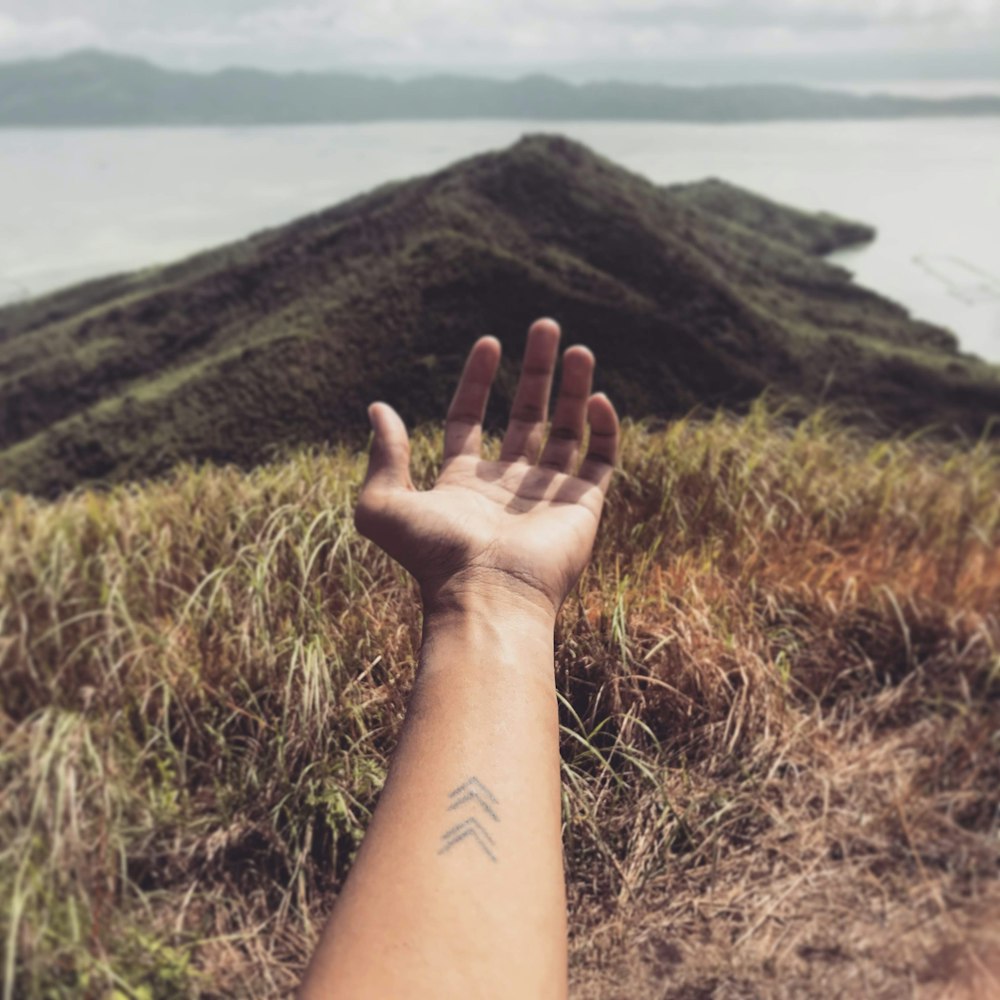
(599, 464)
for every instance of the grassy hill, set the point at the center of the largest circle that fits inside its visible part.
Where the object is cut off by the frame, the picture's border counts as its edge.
(780, 699)
(695, 295)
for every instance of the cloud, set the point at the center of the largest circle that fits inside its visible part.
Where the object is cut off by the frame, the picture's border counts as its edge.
(498, 34)
(519, 31)
(54, 34)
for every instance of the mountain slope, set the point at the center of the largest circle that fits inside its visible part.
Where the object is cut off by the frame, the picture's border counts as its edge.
(690, 295)
(97, 88)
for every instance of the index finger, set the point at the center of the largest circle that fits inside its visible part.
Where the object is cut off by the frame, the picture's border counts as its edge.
(463, 427)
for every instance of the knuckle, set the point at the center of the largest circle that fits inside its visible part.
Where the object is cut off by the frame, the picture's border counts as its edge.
(564, 433)
(528, 413)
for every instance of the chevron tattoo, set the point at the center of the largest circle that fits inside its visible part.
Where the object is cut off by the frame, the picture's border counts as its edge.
(471, 793)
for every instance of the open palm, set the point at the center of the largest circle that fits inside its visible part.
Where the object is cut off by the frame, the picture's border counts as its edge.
(526, 522)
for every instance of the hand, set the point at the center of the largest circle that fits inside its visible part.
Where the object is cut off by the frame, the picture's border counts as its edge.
(520, 528)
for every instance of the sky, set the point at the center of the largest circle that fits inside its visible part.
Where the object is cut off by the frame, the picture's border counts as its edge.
(667, 40)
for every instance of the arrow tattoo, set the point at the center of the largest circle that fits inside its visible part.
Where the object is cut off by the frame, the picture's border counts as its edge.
(471, 791)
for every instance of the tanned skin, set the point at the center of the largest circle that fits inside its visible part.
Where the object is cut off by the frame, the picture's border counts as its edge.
(458, 889)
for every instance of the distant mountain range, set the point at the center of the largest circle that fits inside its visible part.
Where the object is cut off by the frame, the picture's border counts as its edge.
(693, 295)
(93, 88)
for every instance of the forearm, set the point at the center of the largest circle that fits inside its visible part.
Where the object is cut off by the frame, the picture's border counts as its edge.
(459, 885)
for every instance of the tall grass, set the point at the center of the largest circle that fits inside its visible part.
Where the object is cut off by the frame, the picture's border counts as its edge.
(780, 693)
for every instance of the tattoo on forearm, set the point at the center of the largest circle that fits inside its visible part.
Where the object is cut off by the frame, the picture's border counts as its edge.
(473, 792)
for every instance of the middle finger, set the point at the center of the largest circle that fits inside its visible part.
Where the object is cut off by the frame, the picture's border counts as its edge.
(526, 428)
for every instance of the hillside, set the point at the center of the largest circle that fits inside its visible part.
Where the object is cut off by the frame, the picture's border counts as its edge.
(780, 706)
(93, 88)
(690, 296)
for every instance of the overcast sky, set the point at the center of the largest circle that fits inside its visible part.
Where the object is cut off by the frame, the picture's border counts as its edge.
(641, 39)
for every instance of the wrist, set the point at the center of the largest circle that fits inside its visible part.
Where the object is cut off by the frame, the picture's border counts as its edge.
(492, 625)
(489, 594)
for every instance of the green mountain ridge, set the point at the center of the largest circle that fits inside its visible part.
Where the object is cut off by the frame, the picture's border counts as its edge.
(93, 88)
(693, 295)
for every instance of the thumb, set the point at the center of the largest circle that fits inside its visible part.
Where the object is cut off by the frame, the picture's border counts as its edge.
(389, 457)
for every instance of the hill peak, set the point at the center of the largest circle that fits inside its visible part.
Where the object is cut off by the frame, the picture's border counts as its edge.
(550, 144)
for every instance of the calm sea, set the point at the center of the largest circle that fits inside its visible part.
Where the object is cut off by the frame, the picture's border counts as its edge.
(76, 204)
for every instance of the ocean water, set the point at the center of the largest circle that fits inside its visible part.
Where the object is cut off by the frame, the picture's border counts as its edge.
(76, 204)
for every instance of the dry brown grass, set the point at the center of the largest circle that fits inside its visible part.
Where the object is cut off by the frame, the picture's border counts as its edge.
(780, 684)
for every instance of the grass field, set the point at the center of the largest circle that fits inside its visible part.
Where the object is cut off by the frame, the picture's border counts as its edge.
(780, 690)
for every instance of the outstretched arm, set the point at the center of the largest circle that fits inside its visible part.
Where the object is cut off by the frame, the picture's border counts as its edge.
(458, 888)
